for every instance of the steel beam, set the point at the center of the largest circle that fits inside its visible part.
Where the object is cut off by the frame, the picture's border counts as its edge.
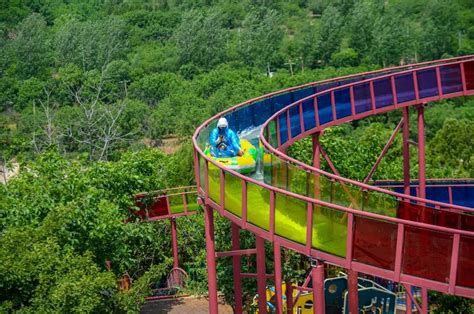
(236, 268)
(211, 259)
(261, 280)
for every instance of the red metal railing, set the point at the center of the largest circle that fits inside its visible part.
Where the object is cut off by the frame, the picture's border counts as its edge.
(454, 244)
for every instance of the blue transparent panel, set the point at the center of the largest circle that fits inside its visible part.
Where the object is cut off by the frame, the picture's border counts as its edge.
(362, 99)
(342, 98)
(308, 114)
(324, 108)
(261, 111)
(295, 121)
(437, 193)
(427, 83)
(243, 119)
(463, 195)
(451, 78)
(302, 93)
(383, 93)
(283, 128)
(405, 88)
(327, 86)
(231, 120)
(280, 101)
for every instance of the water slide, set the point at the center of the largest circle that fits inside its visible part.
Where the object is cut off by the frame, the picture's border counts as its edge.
(396, 233)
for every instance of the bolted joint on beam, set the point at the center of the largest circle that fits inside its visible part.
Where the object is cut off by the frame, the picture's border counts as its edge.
(315, 262)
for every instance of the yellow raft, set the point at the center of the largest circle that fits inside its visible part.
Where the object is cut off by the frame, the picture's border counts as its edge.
(243, 164)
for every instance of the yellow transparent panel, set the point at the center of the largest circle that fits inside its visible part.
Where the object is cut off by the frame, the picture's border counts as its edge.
(380, 203)
(329, 230)
(258, 206)
(214, 183)
(297, 180)
(233, 194)
(290, 218)
(176, 203)
(346, 195)
(191, 201)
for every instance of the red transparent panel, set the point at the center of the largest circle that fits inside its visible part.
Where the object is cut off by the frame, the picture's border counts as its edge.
(467, 222)
(329, 230)
(415, 212)
(448, 219)
(233, 194)
(151, 206)
(427, 253)
(214, 183)
(465, 275)
(290, 218)
(469, 74)
(375, 242)
(258, 206)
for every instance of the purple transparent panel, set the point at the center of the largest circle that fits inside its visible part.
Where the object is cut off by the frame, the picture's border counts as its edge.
(343, 103)
(427, 83)
(362, 99)
(324, 108)
(383, 93)
(451, 78)
(295, 121)
(405, 88)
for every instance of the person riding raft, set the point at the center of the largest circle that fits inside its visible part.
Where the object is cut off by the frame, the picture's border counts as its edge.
(225, 143)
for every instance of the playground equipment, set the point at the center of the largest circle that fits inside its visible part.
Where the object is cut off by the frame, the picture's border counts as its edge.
(373, 298)
(243, 164)
(168, 204)
(402, 237)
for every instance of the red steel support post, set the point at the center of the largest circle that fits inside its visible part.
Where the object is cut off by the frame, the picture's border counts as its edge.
(408, 302)
(289, 297)
(316, 164)
(174, 242)
(421, 152)
(278, 282)
(211, 259)
(236, 269)
(352, 284)
(424, 300)
(406, 150)
(261, 278)
(317, 274)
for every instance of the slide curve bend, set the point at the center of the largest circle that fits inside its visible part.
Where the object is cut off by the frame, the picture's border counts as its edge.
(399, 237)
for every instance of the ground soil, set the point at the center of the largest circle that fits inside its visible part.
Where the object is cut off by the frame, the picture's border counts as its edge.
(192, 305)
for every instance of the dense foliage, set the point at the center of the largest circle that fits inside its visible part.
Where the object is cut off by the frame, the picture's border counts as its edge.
(86, 87)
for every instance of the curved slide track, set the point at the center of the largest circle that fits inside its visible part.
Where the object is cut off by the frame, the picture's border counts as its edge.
(402, 237)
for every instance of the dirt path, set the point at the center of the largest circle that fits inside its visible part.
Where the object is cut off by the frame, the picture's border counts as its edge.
(182, 305)
(6, 174)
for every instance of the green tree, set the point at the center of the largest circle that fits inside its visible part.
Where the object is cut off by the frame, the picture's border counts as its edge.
(201, 39)
(259, 38)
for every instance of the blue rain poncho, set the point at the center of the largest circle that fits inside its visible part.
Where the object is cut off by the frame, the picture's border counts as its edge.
(224, 143)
